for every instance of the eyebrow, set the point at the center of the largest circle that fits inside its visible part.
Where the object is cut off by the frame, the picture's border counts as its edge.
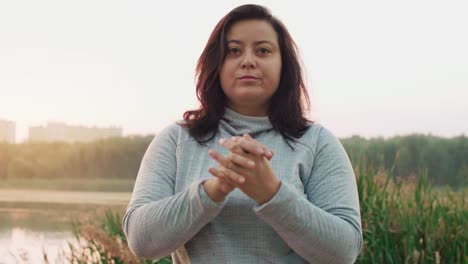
(256, 42)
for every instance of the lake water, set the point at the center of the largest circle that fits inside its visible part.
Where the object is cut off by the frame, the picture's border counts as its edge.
(36, 222)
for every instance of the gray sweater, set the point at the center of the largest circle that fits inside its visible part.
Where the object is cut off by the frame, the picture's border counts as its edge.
(314, 217)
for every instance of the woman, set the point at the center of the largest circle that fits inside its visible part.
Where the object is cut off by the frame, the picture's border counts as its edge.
(246, 178)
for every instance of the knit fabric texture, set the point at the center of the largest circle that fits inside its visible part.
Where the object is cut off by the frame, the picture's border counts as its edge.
(313, 218)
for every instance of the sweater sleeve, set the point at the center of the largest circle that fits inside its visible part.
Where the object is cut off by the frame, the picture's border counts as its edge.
(159, 221)
(325, 227)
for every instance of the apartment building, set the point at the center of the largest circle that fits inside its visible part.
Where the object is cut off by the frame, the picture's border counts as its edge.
(7, 131)
(58, 131)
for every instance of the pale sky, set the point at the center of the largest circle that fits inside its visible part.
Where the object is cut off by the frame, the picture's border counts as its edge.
(375, 68)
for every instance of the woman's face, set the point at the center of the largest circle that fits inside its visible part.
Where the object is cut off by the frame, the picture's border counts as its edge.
(251, 71)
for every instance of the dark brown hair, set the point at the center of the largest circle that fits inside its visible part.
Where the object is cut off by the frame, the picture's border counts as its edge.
(287, 107)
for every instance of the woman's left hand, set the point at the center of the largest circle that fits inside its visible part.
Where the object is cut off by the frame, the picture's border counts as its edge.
(261, 183)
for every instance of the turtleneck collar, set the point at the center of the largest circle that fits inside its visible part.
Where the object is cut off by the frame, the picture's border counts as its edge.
(236, 124)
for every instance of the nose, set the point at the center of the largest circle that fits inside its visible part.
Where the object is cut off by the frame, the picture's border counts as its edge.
(248, 61)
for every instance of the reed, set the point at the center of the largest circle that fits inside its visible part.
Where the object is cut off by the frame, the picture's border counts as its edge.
(102, 240)
(407, 221)
(404, 221)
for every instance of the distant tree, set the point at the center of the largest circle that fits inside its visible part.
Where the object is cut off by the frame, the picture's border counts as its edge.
(445, 160)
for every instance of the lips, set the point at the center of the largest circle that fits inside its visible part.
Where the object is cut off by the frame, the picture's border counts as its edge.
(248, 77)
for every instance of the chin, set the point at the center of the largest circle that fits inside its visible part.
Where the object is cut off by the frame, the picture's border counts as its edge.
(248, 96)
(249, 89)
(249, 99)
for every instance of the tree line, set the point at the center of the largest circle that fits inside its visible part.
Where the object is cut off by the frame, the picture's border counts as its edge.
(444, 160)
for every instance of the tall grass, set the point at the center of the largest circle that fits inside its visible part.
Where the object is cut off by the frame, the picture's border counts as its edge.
(407, 222)
(103, 242)
(403, 222)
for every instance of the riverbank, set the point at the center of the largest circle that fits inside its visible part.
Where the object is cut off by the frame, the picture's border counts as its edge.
(63, 197)
(79, 184)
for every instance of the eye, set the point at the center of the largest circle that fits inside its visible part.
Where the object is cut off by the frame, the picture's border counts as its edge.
(263, 51)
(233, 51)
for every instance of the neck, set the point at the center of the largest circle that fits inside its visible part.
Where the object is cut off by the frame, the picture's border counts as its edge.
(249, 110)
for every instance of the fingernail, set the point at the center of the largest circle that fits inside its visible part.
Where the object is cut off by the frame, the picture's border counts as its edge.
(221, 141)
(259, 150)
(241, 179)
(251, 163)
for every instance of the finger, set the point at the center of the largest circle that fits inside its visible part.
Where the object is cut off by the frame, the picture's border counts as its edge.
(224, 187)
(236, 139)
(222, 177)
(219, 158)
(247, 136)
(232, 144)
(232, 175)
(268, 153)
(240, 160)
(247, 146)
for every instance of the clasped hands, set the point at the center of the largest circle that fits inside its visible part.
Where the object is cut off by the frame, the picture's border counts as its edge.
(246, 167)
